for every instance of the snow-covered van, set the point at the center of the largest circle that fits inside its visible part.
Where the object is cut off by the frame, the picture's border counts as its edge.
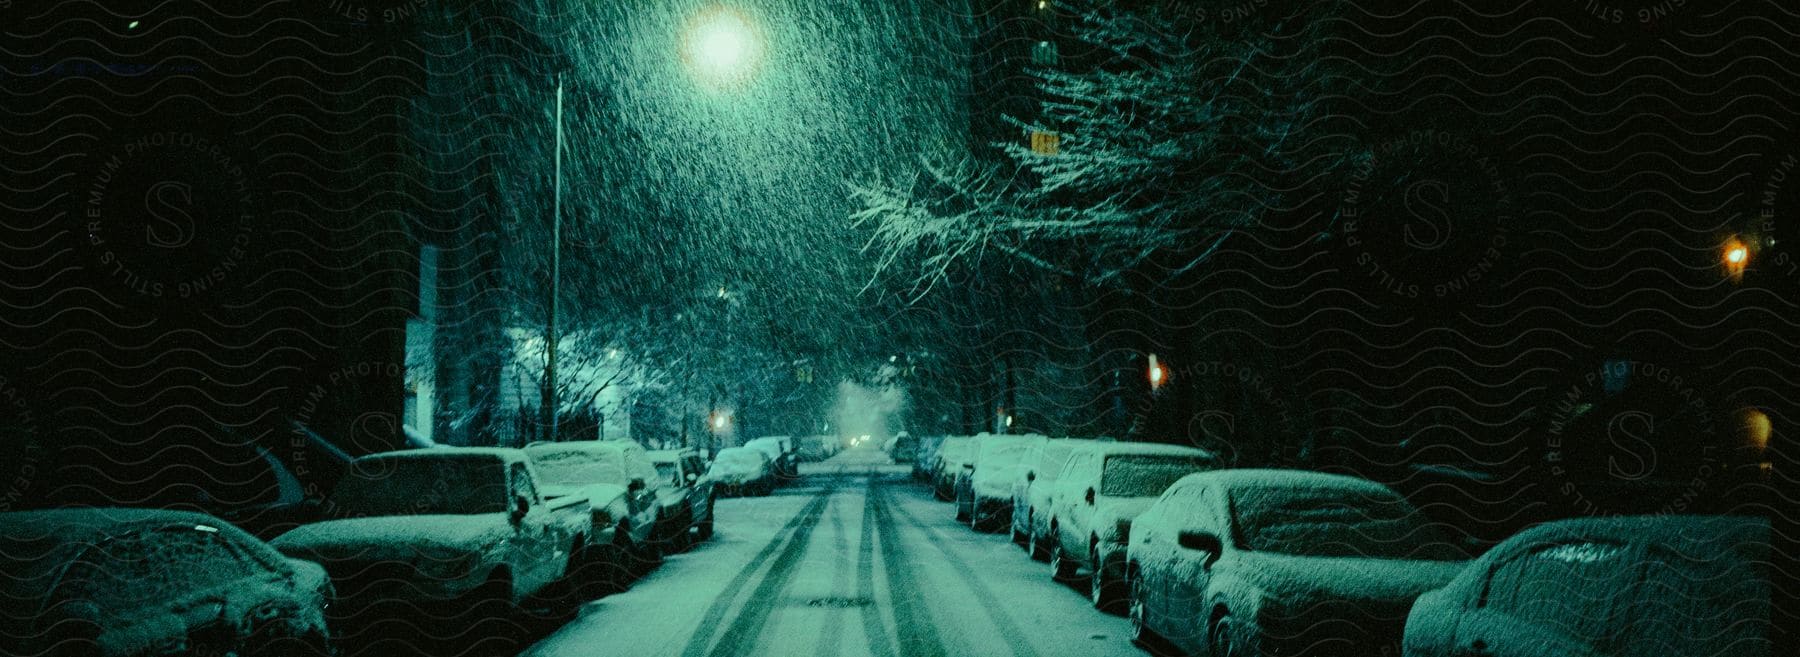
(1102, 488)
(951, 454)
(1607, 587)
(463, 525)
(1281, 562)
(117, 582)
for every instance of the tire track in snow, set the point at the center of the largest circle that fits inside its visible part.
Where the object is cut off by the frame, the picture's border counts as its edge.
(790, 540)
(880, 644)
(990, 603)
(913, 626)
(831, 637)
(741, 636)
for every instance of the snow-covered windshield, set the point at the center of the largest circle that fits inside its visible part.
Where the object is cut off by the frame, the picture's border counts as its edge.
(418, 486)
(1146, 476)
(154, 567)
(1003, 453)
(1334, 522)
(573, 466)
(1052, 460)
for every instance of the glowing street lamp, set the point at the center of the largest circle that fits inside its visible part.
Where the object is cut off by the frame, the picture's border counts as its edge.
(1158, 375)
(1736, 258)
(721, 47)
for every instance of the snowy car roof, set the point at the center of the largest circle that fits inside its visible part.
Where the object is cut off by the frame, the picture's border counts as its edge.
(1111, 448)
(1281, 478)
(1692, 535)
(576, 446)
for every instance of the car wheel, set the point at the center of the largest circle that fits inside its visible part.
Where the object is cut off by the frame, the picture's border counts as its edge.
(1034, 546)
(1061, 570)
(961, 515)
(1219, 640)
(1134, 611)
(706, 527)
(1102, 590)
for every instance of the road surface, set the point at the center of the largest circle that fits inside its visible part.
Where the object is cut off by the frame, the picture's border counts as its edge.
(853, 559)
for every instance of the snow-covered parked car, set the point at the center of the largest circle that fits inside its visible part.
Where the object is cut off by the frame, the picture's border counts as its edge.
(1031, 493)
(1593, 587)
(951, 455)
(984, 487)
(1281, 562)
(626, 497)
(685, 472)
(781, 453)
(1102, 488)
(743, 471)
(115, 582)
(465, 526)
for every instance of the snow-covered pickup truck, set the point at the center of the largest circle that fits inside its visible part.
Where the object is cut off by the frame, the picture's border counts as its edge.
(459, 525)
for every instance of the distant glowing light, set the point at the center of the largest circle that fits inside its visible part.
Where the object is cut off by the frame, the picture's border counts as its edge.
(1158, 375)
(1009, 420)
(719, 422)
(721, 46)
(1757, 427)
(1737, 258)
(131, 26)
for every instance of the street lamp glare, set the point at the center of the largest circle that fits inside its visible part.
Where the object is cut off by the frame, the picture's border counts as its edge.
(721, 46)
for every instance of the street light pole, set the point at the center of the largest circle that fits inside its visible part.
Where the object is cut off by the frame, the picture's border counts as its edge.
(550, 334)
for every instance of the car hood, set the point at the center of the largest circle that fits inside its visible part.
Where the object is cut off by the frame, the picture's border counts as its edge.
(1110, 510)
(223, 614)
(1304, 580)
(598, 495)
(402, 538)
(731, 474)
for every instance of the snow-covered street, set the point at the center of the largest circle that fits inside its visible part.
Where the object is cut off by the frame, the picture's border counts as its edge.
(854, 559)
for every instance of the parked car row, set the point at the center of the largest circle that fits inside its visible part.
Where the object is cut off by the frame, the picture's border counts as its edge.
(1235, 562)
(469, 534)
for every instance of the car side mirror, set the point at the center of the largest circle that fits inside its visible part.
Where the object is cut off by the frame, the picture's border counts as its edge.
(1207, 542)
(520, 507)
(969, 466)
(637, 485)
(1030, 476)
(1090, 496)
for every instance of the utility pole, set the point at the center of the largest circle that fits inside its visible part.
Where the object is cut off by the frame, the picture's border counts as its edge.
(550, 335)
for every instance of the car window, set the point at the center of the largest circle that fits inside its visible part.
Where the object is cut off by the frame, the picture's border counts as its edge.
(1146, 476)
(570, 466)
(1567, 586)
(1333, 522)
(669, 472)
(1052, 459)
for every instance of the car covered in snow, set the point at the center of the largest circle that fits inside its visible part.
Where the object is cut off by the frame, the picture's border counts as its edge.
(1102, 488)
(1593, 587)
(924, 456)
(114, 582)
(1281, 562)
(1031, 493)
(743, 471)
(463, 526)
(623, 491)
(684, 471)
(781, 453)
(951, 454)
(984, 486)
